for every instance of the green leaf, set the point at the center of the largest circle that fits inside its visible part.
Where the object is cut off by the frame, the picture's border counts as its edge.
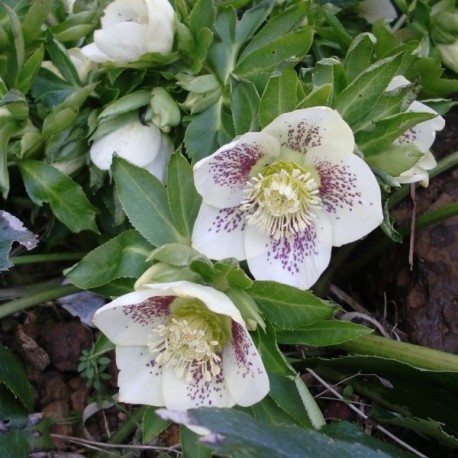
(7, 131)
(127, 103)
(318, 96)
(14, 378)
(191, 446)
(223, 49)
(184, 200)
(12, 230)
(144, 200)
(388, 130)
(330, 71)
(69, 203)
(152, 425)
(30, 70)
(268, 411)
(16, 52)
(35, 18)
(174, 254)
(245, 102)
(202, 16)
(288, 307)
(285, 394)
(252, 19)
(120, 257)
(395, 159)
(357, 99)
(201, 137)
(359, 55)
(275, 53)
(279, 96)
(238, 432)
(323, 333)
(279, 26)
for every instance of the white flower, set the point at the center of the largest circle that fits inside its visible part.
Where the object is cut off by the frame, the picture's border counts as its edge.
(82, 64)
(142, 145)
(373, 10)
(182, 345)
(449, 55)
(422, 135)
(131, 28)
(282, 197)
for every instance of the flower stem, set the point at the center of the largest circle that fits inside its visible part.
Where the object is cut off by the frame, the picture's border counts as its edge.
(415, 355)
(50, 257)
(35, 299)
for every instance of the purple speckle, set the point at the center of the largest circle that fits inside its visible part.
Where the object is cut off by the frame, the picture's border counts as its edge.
(303, 137)
(145, 312)
(228, 220)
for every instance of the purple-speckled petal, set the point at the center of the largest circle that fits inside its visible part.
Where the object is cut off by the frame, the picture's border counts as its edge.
(221, 177)
(140, 378)
(297, 261)
(314, 130)
(350, 197)
(129, 319)
(180, 395)
(244, 370)
(218, 233)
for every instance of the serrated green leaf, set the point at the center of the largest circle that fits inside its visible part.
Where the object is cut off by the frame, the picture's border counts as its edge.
(359, 55)
(279, 96)
(323, 333)
(252, 19)
(388, 130)
(15, 53)
(201, 137)
(184, 200)
(270, 412)
(14, 378)
(152, 425)
(30, 70)
(69, 203)
(277, 27)
(144, 200)
(7, 131)
(362, 93)
(330, 71)
(288, 307)
(202, 16)
(238, 432)
(174, 254)
(318, 96)
(223, 49)
(275, 53)
(191, 446)
(121, 257)
(245, 102)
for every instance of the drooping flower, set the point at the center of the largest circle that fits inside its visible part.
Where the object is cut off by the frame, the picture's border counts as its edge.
(373, 10)
(143, 145)
(282, 197)
(182, 345)
(422, 135)
(132, 28)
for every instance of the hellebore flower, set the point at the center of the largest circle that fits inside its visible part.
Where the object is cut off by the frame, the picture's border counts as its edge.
(422, 135)
(373, 10)
(182, 345)
(143, 145)
(282, 197)
(131, 28)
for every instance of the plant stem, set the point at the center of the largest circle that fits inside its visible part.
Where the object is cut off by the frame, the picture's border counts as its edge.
(35, 299)
(51, 257)
(415, 355)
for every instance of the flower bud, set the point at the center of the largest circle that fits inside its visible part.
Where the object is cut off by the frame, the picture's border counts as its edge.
(449, 55)
(162, 272)
(164, 111)
(247, 306)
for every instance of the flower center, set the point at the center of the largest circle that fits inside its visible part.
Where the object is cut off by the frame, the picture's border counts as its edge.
(282, 199)
(191, 341)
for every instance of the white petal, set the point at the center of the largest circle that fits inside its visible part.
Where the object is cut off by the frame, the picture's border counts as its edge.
(313, 131)
(397, 81)
(140, 378)
(221, 177)
(160, 8)
(158, 167)
(180, 395)
(422, 135)
(215, 300)
(219, 234)
(135, 142)
(123, 11)
(92, 52)
(123, 42)
(161, 26)
(350, 196)
(297, 261)
(372, 10)
(244, 370)
(129, 319)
